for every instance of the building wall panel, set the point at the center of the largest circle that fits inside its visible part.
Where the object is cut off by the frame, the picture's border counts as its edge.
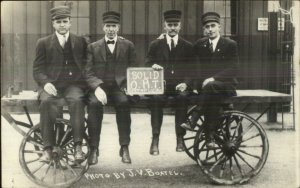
(32, 35)
(22, 23)
(19, 44)
(127, 22)
(142, 22)
(101, 8)
(6, 46)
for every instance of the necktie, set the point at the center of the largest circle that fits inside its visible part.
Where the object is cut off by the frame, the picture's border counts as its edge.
(172, 44)
(63, 42)
(211, 47)
(110, 42)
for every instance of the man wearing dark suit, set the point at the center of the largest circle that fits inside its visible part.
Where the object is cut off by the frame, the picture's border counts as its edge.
(174, 55)
(217, 68)
(107, 62)
(58, 70)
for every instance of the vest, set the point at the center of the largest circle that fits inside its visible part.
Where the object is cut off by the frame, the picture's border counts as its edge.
(109, 78)
(70, 72)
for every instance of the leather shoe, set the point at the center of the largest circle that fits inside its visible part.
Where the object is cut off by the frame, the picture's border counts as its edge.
(191, 123)
(187, 126)
(93, 157)
(78, 154)
(124, 153)
(47, 156)
(154, 145)
(179, 147)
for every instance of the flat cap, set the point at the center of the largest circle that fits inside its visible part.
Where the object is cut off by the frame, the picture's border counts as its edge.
(172, 15)
(210, 17)
(111, 17)
(60, 12)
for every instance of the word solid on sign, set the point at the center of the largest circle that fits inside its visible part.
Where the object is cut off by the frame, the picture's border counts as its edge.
(145, 81)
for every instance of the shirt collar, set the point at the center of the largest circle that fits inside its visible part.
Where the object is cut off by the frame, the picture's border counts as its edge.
(114, 39)
(60, 36)
(175, 38)
(215, 41)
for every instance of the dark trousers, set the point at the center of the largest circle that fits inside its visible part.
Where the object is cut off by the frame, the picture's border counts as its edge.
(212, 97)
(50, 109)
(95, 115)
(157, 103)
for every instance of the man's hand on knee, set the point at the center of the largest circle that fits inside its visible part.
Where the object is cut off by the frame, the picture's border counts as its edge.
(101, 95)
(50, 89)
(206, 81)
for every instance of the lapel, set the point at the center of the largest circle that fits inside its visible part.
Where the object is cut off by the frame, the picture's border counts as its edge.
(165, 48)
(55, 43)
(102, 48)
(118, 48)
(72, 40)
(219, 46)
(204, 46)
(179, 46)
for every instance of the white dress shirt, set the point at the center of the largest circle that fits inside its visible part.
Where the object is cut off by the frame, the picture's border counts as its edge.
(175, 38)
(62, 38)
(111, 46)
(214, 42)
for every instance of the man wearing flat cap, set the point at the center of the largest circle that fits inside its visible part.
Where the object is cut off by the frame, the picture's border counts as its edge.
(173, 55)
(217, 69)
(58, 70)
(107, 62)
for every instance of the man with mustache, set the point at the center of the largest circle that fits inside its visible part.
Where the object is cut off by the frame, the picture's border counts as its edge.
(174, 56)
(107, 62)
(217, 68)
(58, 70)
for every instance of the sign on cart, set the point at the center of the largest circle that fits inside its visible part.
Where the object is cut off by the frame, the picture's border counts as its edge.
(145, 81)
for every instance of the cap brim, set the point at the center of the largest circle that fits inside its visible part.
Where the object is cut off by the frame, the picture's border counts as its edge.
(172, 20)
(111, 21)
(60, 17)
(211, 20)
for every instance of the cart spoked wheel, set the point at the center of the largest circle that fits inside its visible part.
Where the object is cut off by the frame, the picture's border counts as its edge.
(189, 137)
(62, 170)
(240, 152)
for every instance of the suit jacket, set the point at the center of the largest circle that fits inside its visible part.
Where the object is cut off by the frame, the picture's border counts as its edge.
(181, 65)
(222, 65)
(96, 62)
(49, 58)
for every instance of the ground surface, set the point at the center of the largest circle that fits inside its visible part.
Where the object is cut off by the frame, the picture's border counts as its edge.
(149, 171)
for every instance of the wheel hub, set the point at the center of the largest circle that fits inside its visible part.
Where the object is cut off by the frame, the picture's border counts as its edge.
(230, 148)
(57, 153)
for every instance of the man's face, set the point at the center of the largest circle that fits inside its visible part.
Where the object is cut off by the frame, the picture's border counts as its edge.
(172, 28)
(212, 29)
(62, 25)
(111, 30)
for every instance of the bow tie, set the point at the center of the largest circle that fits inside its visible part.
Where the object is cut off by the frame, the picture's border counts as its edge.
(110, 42)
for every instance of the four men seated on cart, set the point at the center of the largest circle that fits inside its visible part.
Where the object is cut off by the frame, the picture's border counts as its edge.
(64, 69)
